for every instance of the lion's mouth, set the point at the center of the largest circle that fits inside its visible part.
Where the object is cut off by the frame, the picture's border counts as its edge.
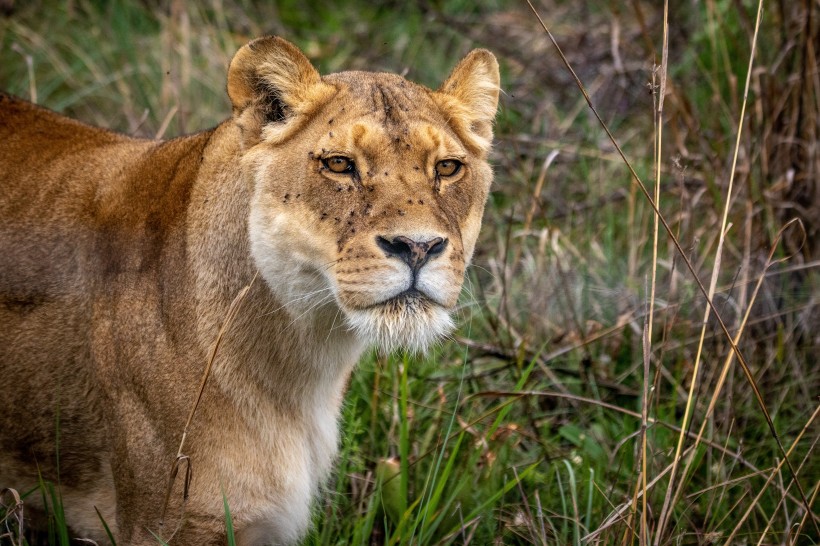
(410, 319)
(412, 298)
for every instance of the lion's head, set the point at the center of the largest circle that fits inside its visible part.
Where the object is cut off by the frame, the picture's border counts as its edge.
(368, 189)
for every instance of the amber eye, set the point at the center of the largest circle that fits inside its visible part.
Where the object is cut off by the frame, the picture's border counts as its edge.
(448, 167)
(339, 164)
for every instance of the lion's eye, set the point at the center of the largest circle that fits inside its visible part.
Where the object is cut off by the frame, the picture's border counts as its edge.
(448, 167)
(339, 164)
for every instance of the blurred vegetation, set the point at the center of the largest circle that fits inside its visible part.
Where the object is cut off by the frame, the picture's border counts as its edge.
(526, 427)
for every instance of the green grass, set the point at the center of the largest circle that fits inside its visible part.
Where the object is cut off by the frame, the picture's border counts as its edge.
(526, 428)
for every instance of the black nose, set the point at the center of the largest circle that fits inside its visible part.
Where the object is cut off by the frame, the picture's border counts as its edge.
(413, 253)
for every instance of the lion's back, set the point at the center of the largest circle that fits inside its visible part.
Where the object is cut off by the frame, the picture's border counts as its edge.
(79, 203)
(43, 307)
(47, 194)
(75, 201)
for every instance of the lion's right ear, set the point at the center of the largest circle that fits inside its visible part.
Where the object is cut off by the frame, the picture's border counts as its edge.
(470, 97)
(271, 81)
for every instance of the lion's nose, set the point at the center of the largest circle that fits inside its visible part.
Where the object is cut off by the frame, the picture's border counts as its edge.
(413, 253)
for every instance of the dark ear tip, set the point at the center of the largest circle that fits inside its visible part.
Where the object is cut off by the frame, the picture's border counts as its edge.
(481, 52)
(263, 42)
(486, 56)
(271, 43)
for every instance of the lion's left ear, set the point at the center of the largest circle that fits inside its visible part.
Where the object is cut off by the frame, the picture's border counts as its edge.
(470, 95)
(271, 81)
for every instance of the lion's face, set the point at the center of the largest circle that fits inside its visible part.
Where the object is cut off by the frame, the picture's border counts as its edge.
(368, 200)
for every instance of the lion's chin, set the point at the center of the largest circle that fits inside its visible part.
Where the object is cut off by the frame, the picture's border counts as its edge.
(412, 323)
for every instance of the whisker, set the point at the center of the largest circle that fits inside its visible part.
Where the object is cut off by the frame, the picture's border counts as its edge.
(317, 304)
(490, 273)
(294, 300)
(333, 324)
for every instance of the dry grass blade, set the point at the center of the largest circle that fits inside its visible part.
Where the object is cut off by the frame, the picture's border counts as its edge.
(186, 484)
(229, 318)
(741, 359)
(807, 515)
(13, 510)
(539, 184)
(32, 91)
(652, 293)
(166, 122)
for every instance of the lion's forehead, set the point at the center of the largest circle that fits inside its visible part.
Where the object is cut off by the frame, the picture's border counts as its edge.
(387, 99)
(414, 142)
(381, 90)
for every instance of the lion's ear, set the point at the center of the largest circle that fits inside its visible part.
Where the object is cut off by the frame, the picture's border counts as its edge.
(470, 95)
(270, 81)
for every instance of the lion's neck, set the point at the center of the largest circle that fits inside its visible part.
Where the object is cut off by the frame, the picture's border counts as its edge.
(292, 361)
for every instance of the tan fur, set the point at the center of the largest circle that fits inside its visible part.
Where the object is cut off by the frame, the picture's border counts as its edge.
(119, 258)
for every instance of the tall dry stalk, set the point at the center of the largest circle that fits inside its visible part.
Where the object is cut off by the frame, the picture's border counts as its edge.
(664, 517)
(659, 92)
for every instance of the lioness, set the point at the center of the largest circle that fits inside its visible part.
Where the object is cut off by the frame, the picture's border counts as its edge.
(356, 196)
